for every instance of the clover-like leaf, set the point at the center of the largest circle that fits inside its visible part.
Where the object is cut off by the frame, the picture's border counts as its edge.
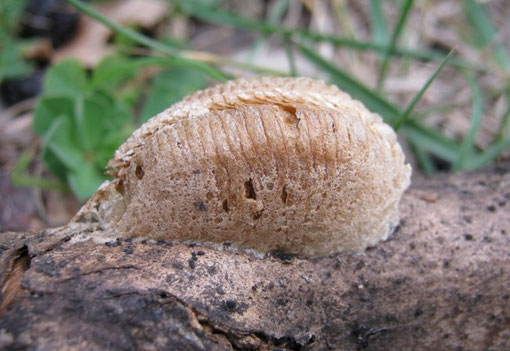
(170, 86)
(67, 78)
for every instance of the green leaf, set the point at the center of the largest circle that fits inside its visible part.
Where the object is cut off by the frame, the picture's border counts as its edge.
(54, 164)
(407, 112)
(12, 64)
(59, 140)
(50, 108)
(105, 123)
(467, 145)
(108, 124)
(109, 143)
(10, 13)
(66, 78)
(170, 86)
(121, 117)
(116, 113)
(85, 181)
(81, 130)
(60, 152)
(92, 126)
(112, 71)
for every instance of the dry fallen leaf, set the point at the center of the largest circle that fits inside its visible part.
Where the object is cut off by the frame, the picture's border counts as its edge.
(91, 43)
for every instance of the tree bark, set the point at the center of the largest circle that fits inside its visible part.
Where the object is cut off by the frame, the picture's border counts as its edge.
(441, 282)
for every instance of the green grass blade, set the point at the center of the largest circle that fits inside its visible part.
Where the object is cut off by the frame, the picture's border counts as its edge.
(346, 82)
(468, 143)
(423, 137)
(250, 67)
(146, 41)
(504, 127)
(489, 155)
(117, 28)
(278, 11)
(289, 50)
(407, 112)
(274, 16)
(431, 55)
(484, 28)
(200, 66)
(19, 179)
(404, 12)
(498, 145)
(378, 23)
(222, 18)
(430, 140)
(423, 159)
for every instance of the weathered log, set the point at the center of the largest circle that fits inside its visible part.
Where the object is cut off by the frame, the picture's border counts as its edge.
(441, 282)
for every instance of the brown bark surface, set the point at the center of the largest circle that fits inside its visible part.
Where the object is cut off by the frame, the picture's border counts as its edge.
(441, 282)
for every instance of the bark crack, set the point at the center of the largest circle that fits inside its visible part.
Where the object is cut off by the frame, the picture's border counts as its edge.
(98, 270)
(16, 261)
(242, 340)
(18, 265)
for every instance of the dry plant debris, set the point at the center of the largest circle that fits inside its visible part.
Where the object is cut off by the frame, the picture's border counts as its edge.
(92, 41)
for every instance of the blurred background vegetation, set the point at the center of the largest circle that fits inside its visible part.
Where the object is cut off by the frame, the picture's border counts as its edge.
(77, 77)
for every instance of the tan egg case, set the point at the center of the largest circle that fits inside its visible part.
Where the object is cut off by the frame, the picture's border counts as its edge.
(287, 164)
